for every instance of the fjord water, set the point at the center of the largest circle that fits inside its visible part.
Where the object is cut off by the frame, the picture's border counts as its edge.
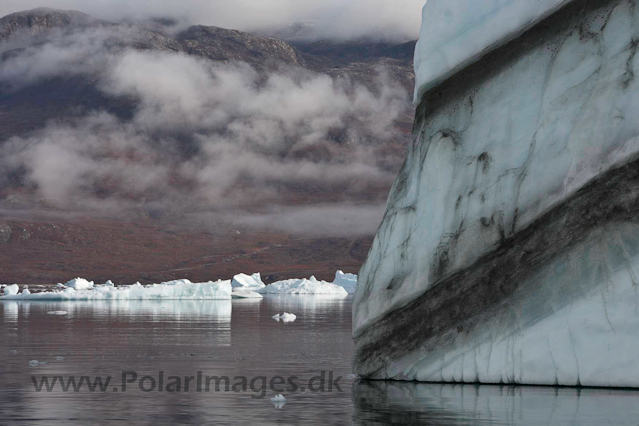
(239, 338)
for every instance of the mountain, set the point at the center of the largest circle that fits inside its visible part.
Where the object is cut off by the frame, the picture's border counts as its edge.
(54, 78)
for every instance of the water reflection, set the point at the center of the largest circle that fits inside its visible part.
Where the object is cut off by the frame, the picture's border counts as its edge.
(150, 310)
(230, 338)
(448, 404)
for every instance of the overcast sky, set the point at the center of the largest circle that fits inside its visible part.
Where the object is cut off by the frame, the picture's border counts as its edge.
(397, 19)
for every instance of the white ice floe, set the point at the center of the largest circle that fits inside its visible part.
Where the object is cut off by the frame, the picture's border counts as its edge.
(56, 312)
(59, 358)
(455, 33)
(11, 290)
(304, 286)
(25, 290)
(33, 362)
(179, 289)
(79, 284)
(244, 280)
(278, 401)
(348, 281)
(285, 317)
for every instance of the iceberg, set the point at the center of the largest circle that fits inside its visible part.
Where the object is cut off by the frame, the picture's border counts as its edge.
(11, 290)
(244, 280)
(178, 290)
(304, 286)
(509, 249)
(79, 284)
(455, 33)
(348, 281)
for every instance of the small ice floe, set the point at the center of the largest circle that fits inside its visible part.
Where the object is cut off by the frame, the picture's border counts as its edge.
(25, 290)
(11, 290)
(285, 317)
(59, 358)
(278, 401)
(57, 312)
(14, 352)
(109, 283)
(35, 363)
(79, 284)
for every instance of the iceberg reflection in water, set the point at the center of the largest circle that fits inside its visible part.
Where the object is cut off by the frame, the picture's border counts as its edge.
(379, 402)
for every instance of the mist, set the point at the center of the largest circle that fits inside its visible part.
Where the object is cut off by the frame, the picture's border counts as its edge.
(249, 148)
(334, 19)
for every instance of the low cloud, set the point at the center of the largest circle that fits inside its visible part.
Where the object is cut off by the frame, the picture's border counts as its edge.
(341, 19)
(252, 148)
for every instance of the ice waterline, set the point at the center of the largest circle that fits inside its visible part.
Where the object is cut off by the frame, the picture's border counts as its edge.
(242, 286)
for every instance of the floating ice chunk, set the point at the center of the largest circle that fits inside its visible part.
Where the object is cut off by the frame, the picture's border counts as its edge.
(243, 280)
(33, 363)
(79, 284)
(278, 401)
(25, 290)
(109, 283)
(304, 286)
(285, 317)
(177, 290)
(59, 358)
(56, 312)
(11, 290)
(348, 281)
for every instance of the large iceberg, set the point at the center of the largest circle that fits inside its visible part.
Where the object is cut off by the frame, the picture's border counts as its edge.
(509, 249)
(456, 33)
(177, 290)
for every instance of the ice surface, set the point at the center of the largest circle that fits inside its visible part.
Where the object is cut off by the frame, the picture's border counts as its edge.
(179, 289)
(244, 280)
(496, 149)
(79, 284)
(348, 281)
(455, 33)
(57, 312)
(511, 146)
(11, 290)
(285, 317)
(304, 286)
(242, 293)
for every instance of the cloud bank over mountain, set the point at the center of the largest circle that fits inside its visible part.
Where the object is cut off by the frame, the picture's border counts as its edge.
(335, 19)
(208, 138)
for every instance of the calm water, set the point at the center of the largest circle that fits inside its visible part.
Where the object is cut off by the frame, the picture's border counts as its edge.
(239, 339)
